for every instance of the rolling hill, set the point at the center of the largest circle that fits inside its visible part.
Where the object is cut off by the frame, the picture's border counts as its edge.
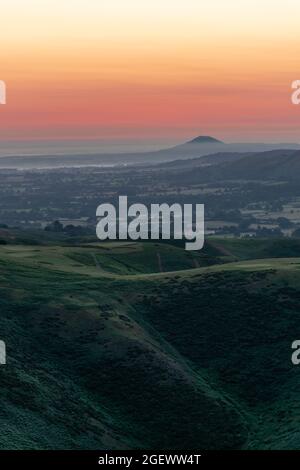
(282, 165)
(107, 350)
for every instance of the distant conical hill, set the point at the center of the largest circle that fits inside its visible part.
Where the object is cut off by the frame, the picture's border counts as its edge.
(205, 139)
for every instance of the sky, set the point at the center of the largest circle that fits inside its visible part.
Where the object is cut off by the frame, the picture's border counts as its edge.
(149, 72)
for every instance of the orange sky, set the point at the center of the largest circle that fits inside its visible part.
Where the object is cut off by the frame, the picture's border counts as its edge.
(159, 70)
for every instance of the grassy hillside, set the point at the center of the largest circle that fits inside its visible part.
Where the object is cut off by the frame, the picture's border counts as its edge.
(136, 345)
(282, 165)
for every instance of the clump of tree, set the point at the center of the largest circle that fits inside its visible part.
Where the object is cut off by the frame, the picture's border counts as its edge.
(55, 226)
(71, 230)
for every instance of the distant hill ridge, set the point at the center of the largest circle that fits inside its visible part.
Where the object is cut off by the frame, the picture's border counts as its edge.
(272, 165)
(205, 139)
(201, 146)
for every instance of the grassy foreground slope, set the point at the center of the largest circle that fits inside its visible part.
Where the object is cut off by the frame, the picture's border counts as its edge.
(104, 354)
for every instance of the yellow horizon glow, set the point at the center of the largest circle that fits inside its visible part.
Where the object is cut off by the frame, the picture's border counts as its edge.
(133, 66)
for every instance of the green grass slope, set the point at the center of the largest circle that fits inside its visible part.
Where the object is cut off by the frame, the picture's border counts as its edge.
(103, 353)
